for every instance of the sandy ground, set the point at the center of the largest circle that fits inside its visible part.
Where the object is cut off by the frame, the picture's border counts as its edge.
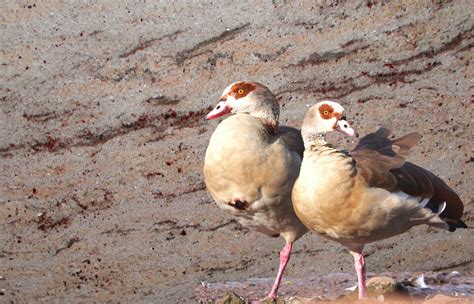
(102, 135)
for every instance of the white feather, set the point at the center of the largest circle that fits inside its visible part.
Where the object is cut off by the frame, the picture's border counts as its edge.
(423, 201)
(441, 208)
(420, 281)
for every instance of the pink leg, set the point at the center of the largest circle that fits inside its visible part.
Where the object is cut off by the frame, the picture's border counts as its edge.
(359, 265)
(284, 257)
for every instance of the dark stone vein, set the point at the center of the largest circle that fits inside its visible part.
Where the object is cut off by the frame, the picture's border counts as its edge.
(453, 265)
(466, 48)
(86, 138)
(350, 85)
(317, 58)
(167, 225)
(146, 44)
(351, 43)
(448, 46)
(401, 28)
(272, 57)
(68, 245)
(182, 56)
(41, 117)
(119, 231)
(44, 117)
(162, 100)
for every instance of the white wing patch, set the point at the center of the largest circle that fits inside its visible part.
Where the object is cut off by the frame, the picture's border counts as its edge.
(435, 221)
(441, 208)
(423, 201)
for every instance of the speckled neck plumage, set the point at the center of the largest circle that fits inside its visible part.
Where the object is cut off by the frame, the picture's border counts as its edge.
(316, 142)
(271, 127)
(268, 114)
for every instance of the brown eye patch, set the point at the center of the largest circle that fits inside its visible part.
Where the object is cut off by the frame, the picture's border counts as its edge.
(326, 111)
(241, 89)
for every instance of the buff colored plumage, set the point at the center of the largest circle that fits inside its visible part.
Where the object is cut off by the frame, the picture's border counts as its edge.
(370, 193)
(251, 165)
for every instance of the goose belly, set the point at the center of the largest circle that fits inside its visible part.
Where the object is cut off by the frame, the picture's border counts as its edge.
(321, 196)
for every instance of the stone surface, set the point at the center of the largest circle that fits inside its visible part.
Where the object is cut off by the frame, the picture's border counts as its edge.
(102, 134)
(341, 287)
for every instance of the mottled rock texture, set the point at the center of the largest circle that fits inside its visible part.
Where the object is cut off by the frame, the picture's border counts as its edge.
(102, 134)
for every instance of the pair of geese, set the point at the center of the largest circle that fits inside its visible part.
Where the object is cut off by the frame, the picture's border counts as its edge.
(282, 183)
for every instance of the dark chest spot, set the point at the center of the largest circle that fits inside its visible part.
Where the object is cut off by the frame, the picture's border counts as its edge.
(238, 204)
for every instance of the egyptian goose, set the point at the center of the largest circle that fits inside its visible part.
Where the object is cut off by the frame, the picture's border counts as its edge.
(251, 165)
(370, 193)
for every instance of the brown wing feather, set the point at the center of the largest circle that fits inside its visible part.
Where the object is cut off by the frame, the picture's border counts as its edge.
(376, 155)
(292, 138)
(429, 185)
(381, 162)
(379, 142)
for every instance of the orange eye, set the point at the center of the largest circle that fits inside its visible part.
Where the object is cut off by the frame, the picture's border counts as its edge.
(326, 113)
(240, 91)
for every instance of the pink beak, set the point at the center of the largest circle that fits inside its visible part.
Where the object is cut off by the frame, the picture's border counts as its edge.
(344, 128)
(221, 109)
